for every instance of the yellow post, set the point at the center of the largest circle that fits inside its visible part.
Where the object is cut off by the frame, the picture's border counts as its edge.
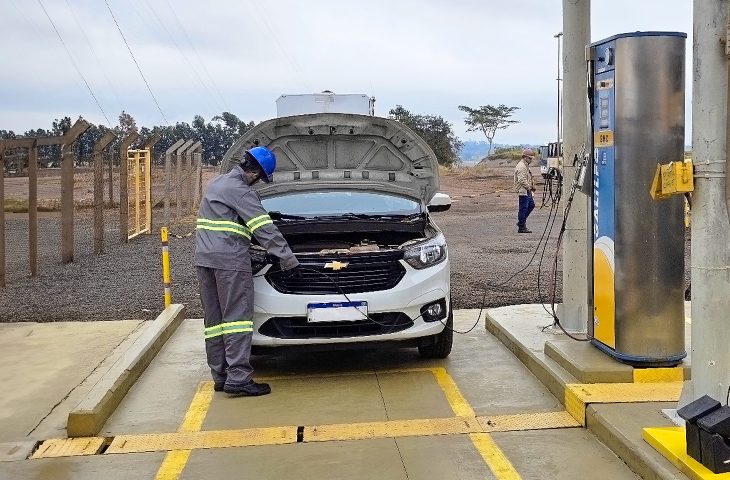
(166, 266)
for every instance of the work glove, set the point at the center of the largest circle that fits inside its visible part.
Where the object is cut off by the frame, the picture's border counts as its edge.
(293, 273)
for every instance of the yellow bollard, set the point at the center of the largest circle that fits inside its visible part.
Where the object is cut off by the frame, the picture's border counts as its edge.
(166, 266)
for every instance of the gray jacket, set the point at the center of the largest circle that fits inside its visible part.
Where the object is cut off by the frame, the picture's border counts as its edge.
(230, 214)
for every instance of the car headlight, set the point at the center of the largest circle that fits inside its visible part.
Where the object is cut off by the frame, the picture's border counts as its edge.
(425, 254)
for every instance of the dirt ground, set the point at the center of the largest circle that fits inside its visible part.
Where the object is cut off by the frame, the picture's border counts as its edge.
(125, 282)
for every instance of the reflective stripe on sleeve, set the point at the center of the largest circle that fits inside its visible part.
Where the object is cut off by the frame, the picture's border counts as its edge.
(259, 221)
(223, 226)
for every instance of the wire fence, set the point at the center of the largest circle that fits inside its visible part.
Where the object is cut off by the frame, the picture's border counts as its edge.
(62, 213)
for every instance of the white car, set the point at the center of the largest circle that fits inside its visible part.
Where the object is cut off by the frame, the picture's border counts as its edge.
(352, 195)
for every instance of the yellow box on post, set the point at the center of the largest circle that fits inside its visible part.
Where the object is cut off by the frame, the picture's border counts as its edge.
(674, 178)
(677, 177)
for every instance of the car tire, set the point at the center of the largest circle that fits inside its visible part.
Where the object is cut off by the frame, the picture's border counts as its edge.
(440, 347)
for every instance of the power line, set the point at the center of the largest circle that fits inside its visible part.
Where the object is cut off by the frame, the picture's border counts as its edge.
(73, 62)
(292, 63)
(96, 57)
(193, 71)
(195, 51)
(149, 89)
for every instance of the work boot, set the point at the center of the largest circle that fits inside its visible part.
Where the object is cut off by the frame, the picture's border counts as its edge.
(218, 386)
(251, 389)
(523, 230)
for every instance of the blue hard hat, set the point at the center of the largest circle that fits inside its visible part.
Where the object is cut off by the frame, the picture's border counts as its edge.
(266, 160)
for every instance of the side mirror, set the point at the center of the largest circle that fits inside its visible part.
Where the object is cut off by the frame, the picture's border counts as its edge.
(439, 203)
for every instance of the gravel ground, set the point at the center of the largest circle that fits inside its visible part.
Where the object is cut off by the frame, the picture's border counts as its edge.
(125, 282)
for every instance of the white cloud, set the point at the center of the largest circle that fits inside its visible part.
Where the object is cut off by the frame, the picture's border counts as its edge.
(429, 56)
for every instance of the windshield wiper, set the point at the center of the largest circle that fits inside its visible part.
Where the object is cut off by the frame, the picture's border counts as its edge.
(276, 215)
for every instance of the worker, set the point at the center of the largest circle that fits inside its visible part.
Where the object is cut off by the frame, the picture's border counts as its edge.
(230, 215)
(524, 186)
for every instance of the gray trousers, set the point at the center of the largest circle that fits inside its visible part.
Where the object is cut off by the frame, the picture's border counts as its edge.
(227, 297)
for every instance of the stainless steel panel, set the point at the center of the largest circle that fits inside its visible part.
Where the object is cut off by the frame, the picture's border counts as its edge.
(649, 242)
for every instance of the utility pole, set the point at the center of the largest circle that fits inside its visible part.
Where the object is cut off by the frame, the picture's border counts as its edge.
(577, 285)
(710, 225)
(558, 36)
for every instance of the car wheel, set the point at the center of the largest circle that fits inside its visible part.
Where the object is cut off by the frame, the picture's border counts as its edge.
(441, 342)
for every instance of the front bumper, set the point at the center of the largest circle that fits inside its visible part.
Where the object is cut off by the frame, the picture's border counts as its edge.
(416, 289)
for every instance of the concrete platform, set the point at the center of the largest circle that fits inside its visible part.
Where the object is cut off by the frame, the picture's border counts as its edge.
(481, 378)
(559, 361)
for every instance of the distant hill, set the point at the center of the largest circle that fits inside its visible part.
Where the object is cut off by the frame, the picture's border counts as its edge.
(474, 151)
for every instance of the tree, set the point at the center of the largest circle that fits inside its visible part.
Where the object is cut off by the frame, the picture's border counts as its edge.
(127, 125)
(434, 130)
(488, 119)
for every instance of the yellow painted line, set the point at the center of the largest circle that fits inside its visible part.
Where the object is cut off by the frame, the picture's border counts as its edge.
(654, 375)
(672, 444)
(391, 429)
(495, 459)
(577, 396)
(69, 447)
(187, 441)
(453, 395)
(174, 462)
(527, 421)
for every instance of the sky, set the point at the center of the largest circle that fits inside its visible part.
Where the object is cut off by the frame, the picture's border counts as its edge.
(239, 55)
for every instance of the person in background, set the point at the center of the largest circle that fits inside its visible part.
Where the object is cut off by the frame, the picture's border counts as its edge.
(524, 186)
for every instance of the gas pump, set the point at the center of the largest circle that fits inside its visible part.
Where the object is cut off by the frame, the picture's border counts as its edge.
(637, 121)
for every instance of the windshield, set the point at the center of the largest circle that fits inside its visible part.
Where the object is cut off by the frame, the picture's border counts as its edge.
(341, 202)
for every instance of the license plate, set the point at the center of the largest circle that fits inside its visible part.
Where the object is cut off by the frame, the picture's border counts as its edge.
(337, 312)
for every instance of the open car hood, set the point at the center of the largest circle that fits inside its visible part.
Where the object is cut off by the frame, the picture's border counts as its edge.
(333, 151)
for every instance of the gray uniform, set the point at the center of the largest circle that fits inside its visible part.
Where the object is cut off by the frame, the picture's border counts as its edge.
(230, 214)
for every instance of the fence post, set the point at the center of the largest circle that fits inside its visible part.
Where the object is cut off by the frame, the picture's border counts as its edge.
(193, 170)
(2, 217)
(99, 148)
(67, 190)
(180, 179)
(198, 181)
(168, 178)
(33, 208)
(123, 187)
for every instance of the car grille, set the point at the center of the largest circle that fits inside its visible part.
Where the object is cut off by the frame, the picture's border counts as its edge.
(364, 273)
(298, 327)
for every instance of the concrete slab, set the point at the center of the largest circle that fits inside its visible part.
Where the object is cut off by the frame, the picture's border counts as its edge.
(565, 454)
(356, 460)
(63, 355)
(88, 417)
(452, 457)
(14, 451)
(108, 467)
(620, 427)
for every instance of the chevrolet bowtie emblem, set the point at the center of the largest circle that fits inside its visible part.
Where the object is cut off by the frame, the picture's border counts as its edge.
(336, 265)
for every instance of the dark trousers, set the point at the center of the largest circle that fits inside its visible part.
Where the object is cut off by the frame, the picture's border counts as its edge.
(227, 298)
(526, 205)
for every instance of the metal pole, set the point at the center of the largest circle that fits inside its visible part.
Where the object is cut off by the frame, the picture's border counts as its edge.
(710, 226)
(574, 312)
(166, 266)
(558, 36)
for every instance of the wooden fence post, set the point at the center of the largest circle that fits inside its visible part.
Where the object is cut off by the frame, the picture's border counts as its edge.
(67, 190)
(123, 187)
(99, 148)
(168, 179)
(192, 175)
(180, 178)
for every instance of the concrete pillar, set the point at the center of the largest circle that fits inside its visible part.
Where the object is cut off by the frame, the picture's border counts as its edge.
(710, 226)
(573, 312)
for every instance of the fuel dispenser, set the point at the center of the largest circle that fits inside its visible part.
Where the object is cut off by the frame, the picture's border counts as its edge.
(636, 94)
